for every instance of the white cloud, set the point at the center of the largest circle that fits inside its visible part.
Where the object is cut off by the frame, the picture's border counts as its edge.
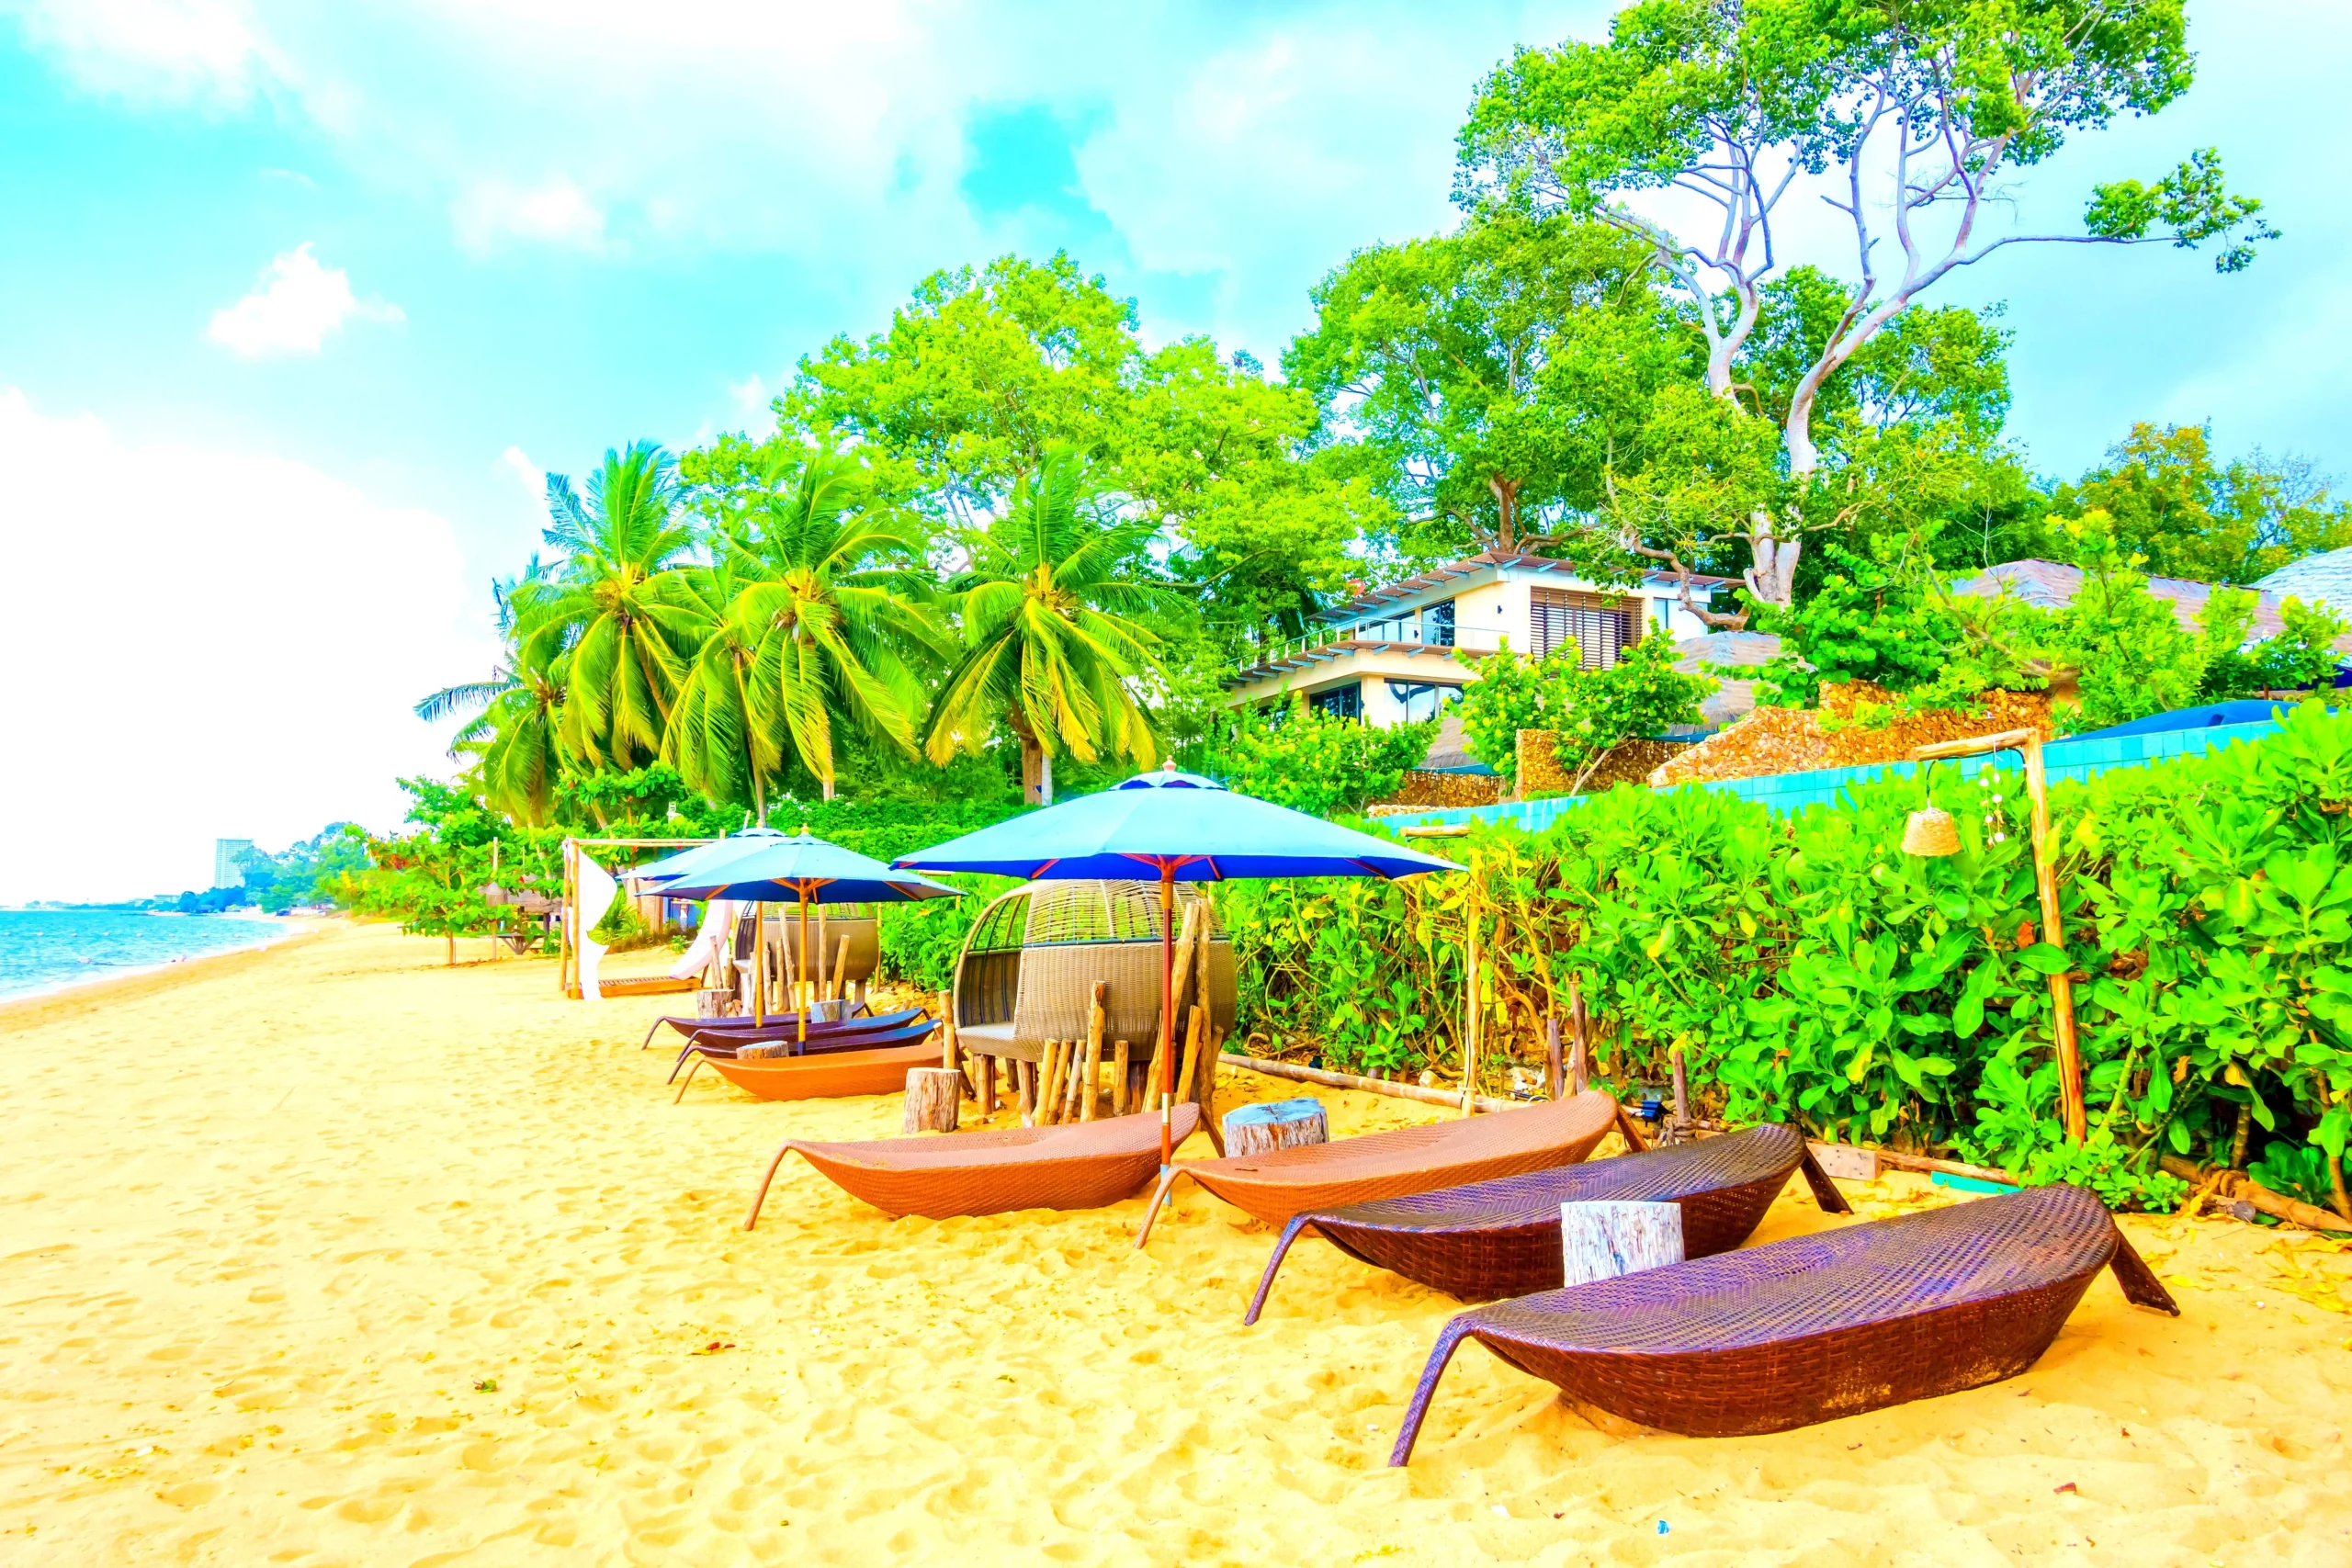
(247, 631)
(553, 212)
(294, 305)
(168, 50)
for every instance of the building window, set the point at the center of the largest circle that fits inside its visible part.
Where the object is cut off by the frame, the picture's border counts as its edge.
(1432, 626)
(1422, 699)
(1601, 628)
(1341, 701)
(1666, 613)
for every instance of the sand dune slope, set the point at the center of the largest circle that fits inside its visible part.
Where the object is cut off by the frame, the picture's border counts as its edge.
(335, 1255)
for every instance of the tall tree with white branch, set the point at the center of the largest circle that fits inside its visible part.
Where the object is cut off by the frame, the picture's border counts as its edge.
(1910, 118)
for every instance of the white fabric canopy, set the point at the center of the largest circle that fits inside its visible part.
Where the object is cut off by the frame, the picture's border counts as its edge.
(711, 938)
(596, 887)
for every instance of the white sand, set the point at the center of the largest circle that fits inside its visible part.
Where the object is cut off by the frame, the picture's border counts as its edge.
(269, 1220)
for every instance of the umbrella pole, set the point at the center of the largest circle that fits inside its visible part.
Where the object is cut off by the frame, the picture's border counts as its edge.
(759, 965)
(805, 990)
(1167, 1011)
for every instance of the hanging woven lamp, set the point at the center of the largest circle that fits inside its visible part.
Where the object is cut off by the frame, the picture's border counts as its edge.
(1930, 832)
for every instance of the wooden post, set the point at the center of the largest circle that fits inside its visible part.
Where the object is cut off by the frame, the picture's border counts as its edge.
(935, 1100)
(1050, 1073)
(1025, 1073)
(985, 1067)
(2072, 1108)
(1275, 1125)
(840, 973)
(1581, 1031)
(1204, 1086)
(1552, 1076)
(1097, 1020)
(1075, 1089)
(1601, 1240)
(946, 1026)
(1119, 1080)
(1681, 1099)
(1188, 935)
(1195, 1029)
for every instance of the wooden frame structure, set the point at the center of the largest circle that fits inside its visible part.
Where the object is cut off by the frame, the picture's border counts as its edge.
(567, 951)
(2045, 876)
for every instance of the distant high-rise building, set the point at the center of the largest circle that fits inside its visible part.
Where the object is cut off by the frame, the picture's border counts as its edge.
(229, 862)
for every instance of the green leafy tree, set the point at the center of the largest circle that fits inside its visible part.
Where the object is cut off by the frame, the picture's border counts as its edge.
(1915, 115)
(1050, 643)
(628, 621)
(1479, 367)
(1513, 692)
(1314, 762)
(2132, 656)
(1640, 697)
(2168, 500)
(822, 623)
(515, 734)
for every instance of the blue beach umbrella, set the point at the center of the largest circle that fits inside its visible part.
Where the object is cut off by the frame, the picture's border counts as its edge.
(669, 868)
(1187, 828)
(771, 868)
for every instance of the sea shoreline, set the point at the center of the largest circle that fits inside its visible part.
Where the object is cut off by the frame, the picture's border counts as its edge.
(171, 971)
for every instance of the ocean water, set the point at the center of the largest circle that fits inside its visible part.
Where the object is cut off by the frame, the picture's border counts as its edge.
(47, 950)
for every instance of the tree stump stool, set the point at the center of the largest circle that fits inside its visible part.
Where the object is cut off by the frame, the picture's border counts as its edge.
(717, 1003)
(935, 1099)
(1605, 1238)
(1280, 1125)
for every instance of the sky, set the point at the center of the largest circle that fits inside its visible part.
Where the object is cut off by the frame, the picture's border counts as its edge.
(300, 303)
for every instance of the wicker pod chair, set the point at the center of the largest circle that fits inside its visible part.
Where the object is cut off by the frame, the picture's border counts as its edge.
(1027, 970)
(1502, 1237)
(1282, 1183)
(1814, 1328)
(1085, 1165)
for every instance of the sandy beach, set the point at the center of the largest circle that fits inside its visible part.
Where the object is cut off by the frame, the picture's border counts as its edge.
(331, 1254)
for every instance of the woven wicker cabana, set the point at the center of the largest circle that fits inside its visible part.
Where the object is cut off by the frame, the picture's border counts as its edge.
(1027, 970)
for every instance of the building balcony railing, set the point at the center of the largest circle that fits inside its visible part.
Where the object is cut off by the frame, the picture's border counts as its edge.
(1389, 635)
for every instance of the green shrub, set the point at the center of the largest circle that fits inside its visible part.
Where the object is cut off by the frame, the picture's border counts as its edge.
(1814, 973)
(1313, 762)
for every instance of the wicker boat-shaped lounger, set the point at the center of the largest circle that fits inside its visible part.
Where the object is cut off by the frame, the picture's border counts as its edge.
(692, 1026)
(865, 1064)
(1081, 1167)
(732, 1041)
(1502, 1237)
(1285, 1182)
(1817, 1326)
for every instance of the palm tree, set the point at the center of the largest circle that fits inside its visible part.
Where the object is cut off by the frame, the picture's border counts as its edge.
(822, 620)
(628, 621)
(1048, 644)
(514, 732)
(716, 738)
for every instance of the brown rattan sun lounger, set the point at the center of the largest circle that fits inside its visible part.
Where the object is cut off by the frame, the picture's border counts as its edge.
(828, 1069)
(717, 1043)
(1502, 1237)
(690, 1027)
(1284, 1183)
(1817, 1326)
(1082, 1166)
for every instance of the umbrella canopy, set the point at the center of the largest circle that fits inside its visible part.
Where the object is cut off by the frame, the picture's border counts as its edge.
(1186, 828)
(1175, 822)
(693, 862)
(800, 868)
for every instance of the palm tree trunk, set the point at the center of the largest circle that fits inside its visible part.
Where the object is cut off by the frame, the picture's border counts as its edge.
(1037, 764)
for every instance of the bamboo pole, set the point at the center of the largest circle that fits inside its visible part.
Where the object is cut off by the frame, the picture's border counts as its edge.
(2073, 1109)
(946, 1030)
(1470, 1022)
(1328, 1079)
(1553, 1077)
(1119, 1080)
(1096, 1021)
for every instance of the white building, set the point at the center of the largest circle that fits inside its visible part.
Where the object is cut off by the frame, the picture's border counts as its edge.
(1400, 653)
